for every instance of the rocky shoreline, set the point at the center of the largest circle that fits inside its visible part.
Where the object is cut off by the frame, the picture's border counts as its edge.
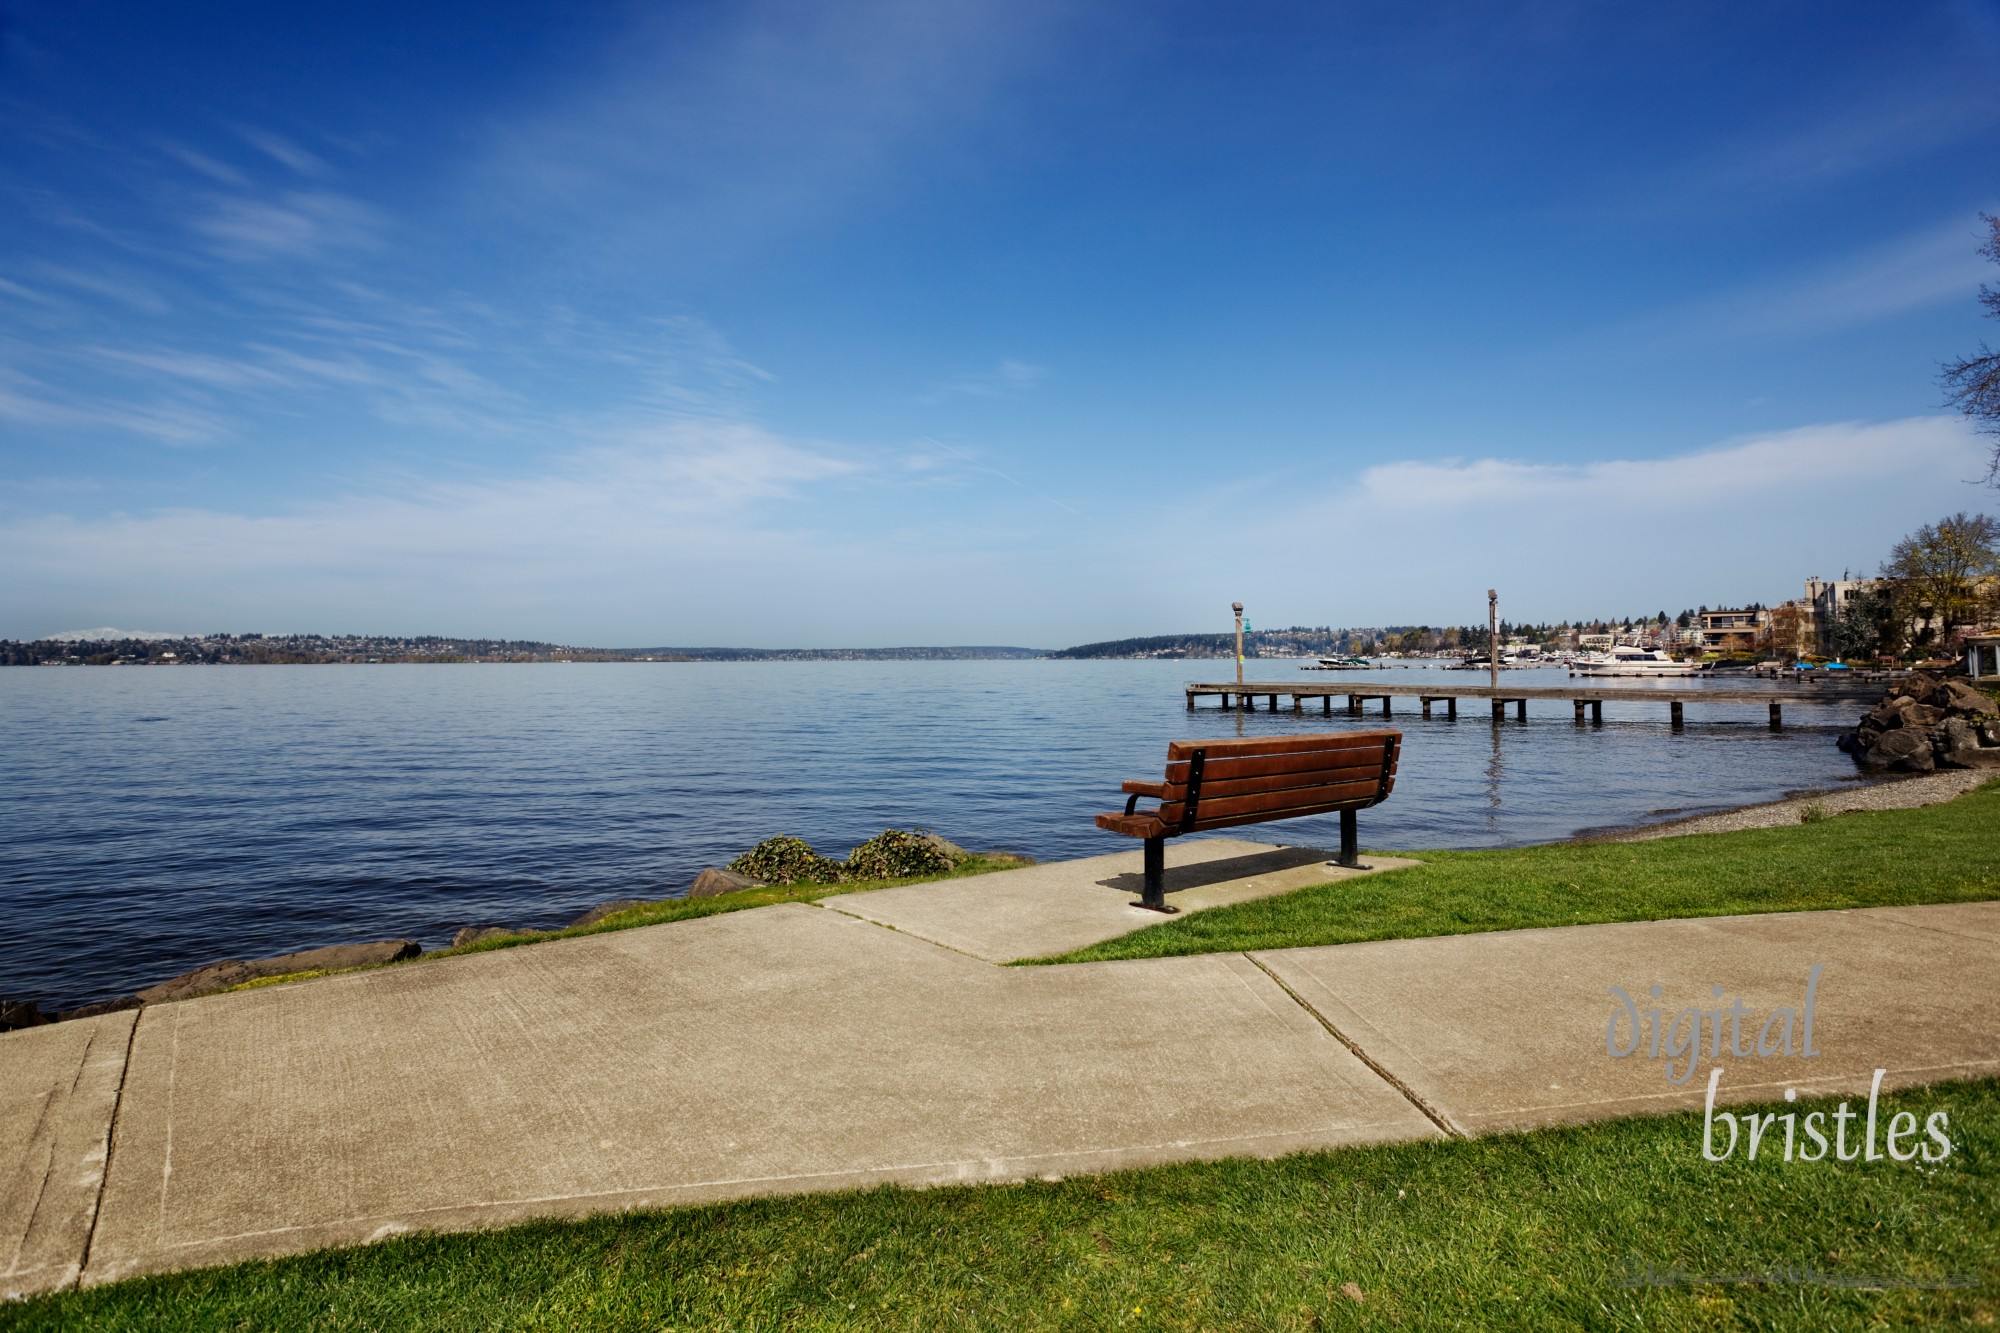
(1926, 723)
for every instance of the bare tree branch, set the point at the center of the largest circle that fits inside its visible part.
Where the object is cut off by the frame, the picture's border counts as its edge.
(1972, 385)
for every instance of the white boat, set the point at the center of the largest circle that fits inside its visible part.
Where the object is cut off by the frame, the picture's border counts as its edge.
(1631, 662)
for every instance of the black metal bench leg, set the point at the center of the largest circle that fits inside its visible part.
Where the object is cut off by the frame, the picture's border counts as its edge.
(1350, 841)
(1155, 891)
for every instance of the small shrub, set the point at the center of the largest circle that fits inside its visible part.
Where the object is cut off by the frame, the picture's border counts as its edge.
(1813, 812)
(786, 861)
(895, 854)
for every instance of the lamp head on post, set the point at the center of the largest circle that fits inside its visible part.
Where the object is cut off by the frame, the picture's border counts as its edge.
(1237, 607)
(1493, 638)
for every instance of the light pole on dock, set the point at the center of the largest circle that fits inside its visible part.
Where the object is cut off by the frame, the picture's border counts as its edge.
(1493, 636)
(1237, 607)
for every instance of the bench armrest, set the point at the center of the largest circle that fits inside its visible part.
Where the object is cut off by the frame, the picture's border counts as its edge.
(1156, 790)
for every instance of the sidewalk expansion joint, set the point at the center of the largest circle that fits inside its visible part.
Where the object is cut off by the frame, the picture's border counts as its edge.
(1935, 930)
(911, 934)
(110, 1146)
(1430, 1113)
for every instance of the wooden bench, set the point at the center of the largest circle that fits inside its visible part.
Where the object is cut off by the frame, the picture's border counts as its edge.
(1222, 784)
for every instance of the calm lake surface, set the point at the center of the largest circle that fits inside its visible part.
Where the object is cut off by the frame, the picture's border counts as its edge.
(152, 820)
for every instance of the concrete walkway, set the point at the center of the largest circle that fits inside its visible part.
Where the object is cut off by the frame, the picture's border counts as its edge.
(798, 1048)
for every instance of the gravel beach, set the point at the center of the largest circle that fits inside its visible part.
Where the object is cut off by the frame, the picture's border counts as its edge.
(1892, 794)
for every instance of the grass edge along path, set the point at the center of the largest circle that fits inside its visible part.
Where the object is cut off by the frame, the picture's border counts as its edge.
(1606, 1226)
(1942, 853)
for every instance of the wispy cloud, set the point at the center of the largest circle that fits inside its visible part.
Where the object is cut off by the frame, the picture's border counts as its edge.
(295, 223)
(1748, 472)
(1909, 105)
(282, 150)
(208, 166)
(1696, 526)
(215, 371)
(121, 288)
(703, 131)
(1009, 379)
(726, 526)
(666, 501)
(25, 402)
(1924, 268)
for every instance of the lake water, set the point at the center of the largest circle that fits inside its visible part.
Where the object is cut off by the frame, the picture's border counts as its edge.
(152, 820)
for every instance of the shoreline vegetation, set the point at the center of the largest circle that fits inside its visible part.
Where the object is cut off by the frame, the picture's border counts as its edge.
(1619, 1224)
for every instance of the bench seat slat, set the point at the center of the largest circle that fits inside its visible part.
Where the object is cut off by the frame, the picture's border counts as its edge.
(1210, 825)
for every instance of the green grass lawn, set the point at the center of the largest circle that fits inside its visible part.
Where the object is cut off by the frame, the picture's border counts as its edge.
(1530, 1231)
(1937, 854)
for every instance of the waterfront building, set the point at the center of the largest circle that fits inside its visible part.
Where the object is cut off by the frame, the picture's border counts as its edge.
(1827, 599)
(1730, 629)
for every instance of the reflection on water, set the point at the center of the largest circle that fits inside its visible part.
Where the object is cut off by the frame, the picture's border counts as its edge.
(1493, 774)
(158, 819)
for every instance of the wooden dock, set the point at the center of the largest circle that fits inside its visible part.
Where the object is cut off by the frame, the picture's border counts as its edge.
(1585, 699)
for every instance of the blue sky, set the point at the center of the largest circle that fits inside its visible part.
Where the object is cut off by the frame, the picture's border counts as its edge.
(789, 324)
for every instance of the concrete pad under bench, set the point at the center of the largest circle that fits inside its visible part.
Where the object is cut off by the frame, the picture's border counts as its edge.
(1053, 908)
(58, 1090)
(777, 1050)
(1506, 1030)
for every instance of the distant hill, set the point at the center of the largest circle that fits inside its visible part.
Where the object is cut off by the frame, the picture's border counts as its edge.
(837, 654)
(120, 648)
(1298, 641)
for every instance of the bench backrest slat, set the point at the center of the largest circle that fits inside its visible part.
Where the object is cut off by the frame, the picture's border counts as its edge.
(1181, 751)
(1281, 777)
(1255, 766)
(1366, 791)
(1353, 765)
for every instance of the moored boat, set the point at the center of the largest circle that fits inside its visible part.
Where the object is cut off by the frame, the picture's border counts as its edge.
(1631, 662)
